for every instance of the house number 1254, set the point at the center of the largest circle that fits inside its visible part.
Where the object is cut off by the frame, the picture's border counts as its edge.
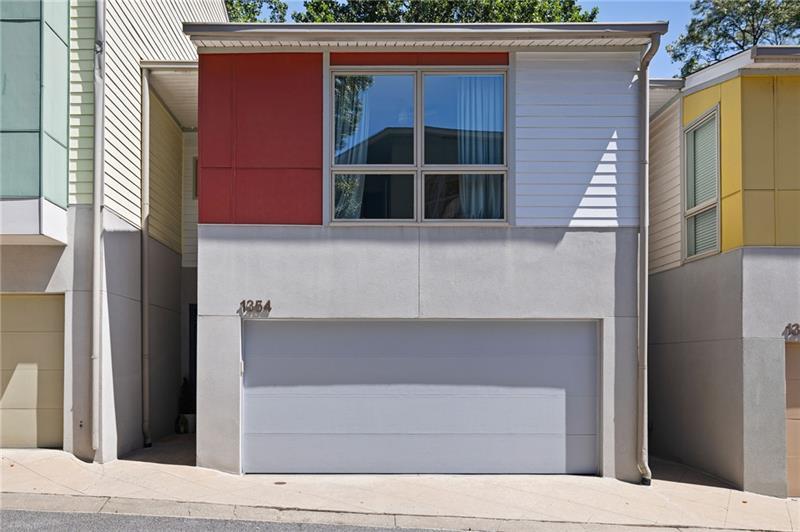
(249, 306)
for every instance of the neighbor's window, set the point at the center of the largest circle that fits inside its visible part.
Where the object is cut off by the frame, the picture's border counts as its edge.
(419, 146)
(702, 178)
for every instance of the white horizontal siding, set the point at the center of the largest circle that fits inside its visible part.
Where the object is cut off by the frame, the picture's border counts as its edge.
(576, 155)
(81, 101)
(665, 189)
(138, 31)
(189, 221)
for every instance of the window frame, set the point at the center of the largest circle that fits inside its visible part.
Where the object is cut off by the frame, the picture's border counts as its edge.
(707, 116)
(419, 169)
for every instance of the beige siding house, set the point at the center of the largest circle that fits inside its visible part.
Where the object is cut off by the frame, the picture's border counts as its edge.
(112, 334)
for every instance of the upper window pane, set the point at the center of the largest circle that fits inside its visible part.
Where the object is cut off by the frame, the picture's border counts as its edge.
(702, 159)
(464, 119)
(374, 119)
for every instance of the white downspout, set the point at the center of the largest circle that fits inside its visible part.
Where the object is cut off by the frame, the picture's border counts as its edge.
(146, 257)
(97, 220)
(644, 228)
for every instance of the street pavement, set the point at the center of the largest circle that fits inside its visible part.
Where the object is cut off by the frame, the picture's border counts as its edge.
(19, 521)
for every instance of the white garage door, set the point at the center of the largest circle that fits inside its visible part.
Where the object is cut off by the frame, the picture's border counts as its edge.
(420, 397)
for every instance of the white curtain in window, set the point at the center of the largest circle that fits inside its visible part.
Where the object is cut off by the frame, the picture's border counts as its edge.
(352, 137)
(480, 124)
(480, 196)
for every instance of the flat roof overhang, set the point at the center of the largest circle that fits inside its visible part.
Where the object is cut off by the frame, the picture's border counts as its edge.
(367, 35)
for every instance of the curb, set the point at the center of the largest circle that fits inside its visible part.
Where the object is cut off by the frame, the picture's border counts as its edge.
(41, 502)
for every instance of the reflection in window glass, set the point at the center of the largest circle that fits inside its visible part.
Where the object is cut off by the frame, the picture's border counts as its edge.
(464, 196)
(464, 118)
(374, 119)
(374, 196)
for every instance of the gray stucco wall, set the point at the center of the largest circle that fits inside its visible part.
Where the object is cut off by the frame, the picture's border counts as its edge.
(165, 338)
(415, 273)
(122, 402)
(771, 299)
(716, 364)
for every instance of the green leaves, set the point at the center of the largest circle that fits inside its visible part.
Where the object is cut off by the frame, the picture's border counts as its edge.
(250, 10)
(720, 28)
(443, 11)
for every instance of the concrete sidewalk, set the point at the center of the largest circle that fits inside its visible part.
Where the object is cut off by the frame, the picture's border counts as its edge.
(54, 480)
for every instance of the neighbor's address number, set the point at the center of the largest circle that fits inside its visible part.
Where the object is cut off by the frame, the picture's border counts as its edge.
(792, 332)
(257, 306)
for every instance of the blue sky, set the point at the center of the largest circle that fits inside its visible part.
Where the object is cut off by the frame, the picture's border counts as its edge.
(675, 11)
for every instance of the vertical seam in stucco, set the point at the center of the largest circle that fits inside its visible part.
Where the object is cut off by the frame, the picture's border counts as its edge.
(419, 272)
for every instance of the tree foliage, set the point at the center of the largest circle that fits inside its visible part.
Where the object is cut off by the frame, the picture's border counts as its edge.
(457, 11)
(463, 11)
(720, 28)
(250, 10)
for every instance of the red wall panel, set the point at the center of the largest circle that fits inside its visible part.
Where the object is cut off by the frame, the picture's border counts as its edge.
(215, 110)
(279, 111)
(260, 138)
(419, 58)
(285, 196)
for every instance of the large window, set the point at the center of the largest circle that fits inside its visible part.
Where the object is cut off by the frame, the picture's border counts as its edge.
(702, 186)
(419, 146)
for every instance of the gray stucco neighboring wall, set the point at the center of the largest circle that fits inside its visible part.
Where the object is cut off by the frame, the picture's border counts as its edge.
(67, 270)
(122, 338)
(717, 381)
(771, 299)
(415, 273)
(695, 368)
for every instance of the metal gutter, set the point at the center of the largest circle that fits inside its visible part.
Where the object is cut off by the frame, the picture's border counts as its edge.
(97, 223)
(169, 65)
(145, 257)
(775, 53)
(667, 83)
(644, 228)
(439, 32)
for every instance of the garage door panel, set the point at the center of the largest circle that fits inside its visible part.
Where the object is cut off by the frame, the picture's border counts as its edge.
(571, 373)
(379, 414)
(433, 338)
(582, 454)
(417, 453)
(414, 396)
(31, 348)
(382, 414)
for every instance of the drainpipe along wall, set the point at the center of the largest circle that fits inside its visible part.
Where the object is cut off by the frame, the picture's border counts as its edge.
(97, 224)
(644, 227)
(145, 281)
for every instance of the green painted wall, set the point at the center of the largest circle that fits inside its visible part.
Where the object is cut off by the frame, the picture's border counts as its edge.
(34, 99)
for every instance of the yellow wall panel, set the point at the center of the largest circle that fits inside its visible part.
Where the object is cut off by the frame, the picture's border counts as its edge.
(166, 172)
(731, 222)
(698, 103)
(731, 139)
(788, 218)
(759, 218)
(758, 128)
(787, 133)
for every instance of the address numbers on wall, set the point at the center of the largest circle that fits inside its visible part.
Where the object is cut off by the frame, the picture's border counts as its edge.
(255, 308)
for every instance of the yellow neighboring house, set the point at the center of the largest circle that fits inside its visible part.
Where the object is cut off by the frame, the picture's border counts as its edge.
(725, 270)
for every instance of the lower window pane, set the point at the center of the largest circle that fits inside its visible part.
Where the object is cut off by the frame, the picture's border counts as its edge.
(373, 196)
(464, 196)
(702, 232)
